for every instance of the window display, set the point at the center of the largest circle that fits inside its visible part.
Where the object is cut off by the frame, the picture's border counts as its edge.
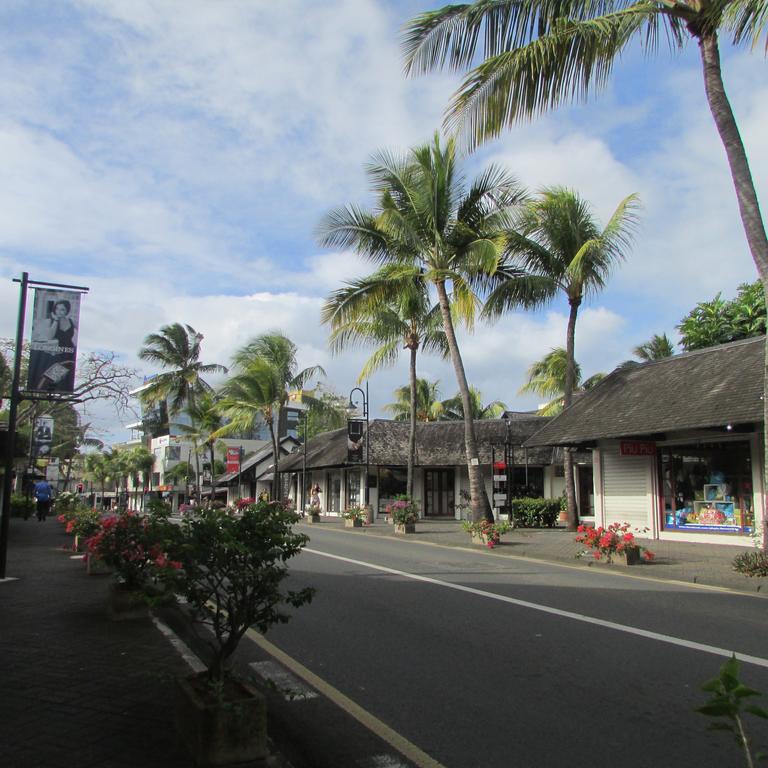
(707, 487)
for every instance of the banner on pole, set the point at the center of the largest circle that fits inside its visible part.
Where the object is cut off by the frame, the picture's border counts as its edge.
(355, 433)
(42, 436)
(233, 459)
(53, 346)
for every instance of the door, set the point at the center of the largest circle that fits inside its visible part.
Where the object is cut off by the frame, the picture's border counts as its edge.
(438, 493)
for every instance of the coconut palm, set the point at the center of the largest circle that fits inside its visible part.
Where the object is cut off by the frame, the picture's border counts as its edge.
(547, 378)
(97, 470)
(453, 408)
(537, 57)
(141, 461)
(427, 218)
(562, 250)
(429, 407)
(205, 423)
(656, 348)
(266, 375)
(176, 348)
(390, 309)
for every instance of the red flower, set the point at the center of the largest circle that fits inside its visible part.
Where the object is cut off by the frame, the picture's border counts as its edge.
(648, 555)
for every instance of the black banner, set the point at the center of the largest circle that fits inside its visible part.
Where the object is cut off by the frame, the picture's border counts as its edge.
(355, 438)
(42, 437)
(53, 346)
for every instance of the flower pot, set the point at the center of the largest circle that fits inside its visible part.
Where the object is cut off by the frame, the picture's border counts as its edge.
(353, 523)
(627, 557)
(126, 604)
(79, 543)
(227, 731)
(405, 528)
(312, 519)
(480, 538)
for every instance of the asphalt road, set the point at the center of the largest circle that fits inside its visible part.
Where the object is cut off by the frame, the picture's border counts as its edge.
(486, 662)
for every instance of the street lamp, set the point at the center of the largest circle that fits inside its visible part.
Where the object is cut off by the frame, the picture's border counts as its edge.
(352, 409)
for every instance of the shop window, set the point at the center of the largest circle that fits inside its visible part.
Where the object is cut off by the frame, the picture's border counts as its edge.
(392, 482)
(353, 488)
(527, 482)
(707, 487)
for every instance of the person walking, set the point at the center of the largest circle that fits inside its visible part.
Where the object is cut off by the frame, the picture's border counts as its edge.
(43, 495)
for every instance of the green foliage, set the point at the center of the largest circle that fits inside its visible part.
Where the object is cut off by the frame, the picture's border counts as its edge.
(751, 563)
(428, 405)
(719, 321)
(728, 703)
(232, 570)
(403, 510)
(657, 347)
(21, 506)
(535, 512)
(355, 513)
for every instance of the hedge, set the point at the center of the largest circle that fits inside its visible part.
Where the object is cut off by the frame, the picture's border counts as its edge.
(535, 513)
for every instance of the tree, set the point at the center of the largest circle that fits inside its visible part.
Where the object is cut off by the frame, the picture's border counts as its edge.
(719, 321)
(390, 309)
(557, 247)
(176, 349)
(425, 217)
(656, 348)
(141, 460)
(428, 404)
(547, 378)
(266, 376)
(206, 422)
(453, 408)
(539, 56)
(98, 470)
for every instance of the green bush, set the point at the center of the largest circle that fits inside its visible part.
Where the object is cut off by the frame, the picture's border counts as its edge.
(535, 513)
(21, 506)
(751, 563)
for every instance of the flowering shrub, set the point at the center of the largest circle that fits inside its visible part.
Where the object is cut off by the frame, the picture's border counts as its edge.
(83, 522)
(606, 542)
(355, 513)
(241, 504)
(135, 546)
(403, 510)
(492, 532)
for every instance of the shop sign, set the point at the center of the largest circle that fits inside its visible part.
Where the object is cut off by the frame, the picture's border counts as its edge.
(164, 488)
(499, 478)
(637, 448)
(355, 436)
(233, 459)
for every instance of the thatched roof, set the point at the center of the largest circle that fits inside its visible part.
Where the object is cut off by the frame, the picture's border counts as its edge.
(708, 388)
(438, 443)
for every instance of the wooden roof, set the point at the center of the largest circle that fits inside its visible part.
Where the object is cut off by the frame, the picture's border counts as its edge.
(708, 388)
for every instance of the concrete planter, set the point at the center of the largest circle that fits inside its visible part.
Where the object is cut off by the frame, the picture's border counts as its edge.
(353, 523)
(627, 557)
(312, 519)
(404, 528)
(230, 731)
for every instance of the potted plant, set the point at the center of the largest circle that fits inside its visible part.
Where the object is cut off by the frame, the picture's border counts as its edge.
(485, 532)
(135, 547)
(616, 543)
(232, 569)
(404, 513)
(354, 516)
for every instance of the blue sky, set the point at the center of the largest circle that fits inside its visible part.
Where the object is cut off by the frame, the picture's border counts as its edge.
(177, 159)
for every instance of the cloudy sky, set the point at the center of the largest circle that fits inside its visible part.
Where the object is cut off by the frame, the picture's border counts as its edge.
(177, 158)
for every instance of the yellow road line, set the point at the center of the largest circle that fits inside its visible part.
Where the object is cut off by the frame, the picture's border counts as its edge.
(393, 738)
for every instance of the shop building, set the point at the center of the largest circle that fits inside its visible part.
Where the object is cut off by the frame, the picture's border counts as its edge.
(677, 444)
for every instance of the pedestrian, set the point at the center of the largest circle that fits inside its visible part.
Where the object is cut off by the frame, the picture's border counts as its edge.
(43, 495)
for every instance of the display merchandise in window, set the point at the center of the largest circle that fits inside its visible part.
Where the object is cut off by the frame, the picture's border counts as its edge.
(707, 487)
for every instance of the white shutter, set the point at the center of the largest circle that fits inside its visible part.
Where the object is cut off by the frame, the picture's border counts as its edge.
(626, 488)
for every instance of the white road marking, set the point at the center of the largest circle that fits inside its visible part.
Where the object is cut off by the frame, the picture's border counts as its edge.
(689, 644)
(287, 684)
(382, 761)
(181, 647)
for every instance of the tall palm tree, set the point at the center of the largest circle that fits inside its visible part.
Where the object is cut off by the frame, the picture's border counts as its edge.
(176, 349)
(97, 470)
(429, 407)
(426, 217)
(266, 375)
(453, 408)
(656, 348)
(547, 378)
(562, 250)
(390, 309)
(206, 421)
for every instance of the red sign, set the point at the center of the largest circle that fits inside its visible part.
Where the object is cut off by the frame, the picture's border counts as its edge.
(499, 465)
(637, 448)
(233, 459)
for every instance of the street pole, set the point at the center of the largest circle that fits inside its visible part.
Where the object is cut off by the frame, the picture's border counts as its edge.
(352, 408)
(304, 466)
(11, 434)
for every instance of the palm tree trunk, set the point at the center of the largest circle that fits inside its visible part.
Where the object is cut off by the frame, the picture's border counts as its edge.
(749, 207)
(570, 385)
(412, 433)
(480, 507)
(274, 496)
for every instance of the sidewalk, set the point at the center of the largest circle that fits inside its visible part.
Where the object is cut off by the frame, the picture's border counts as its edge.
(708, 564)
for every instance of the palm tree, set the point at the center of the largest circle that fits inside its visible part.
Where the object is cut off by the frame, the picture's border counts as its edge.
(97, 469)
(391, 309)
(656, 348)
(176, 348)
(429, 407)
(453, 408)
(205, 423)
(561, 249)
(142, 460)
(537, 57)
(266, 376)
(425, 217)
(547, 378)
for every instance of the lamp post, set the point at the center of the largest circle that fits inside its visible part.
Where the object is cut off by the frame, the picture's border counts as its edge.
(304, 415)
(352, 408)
